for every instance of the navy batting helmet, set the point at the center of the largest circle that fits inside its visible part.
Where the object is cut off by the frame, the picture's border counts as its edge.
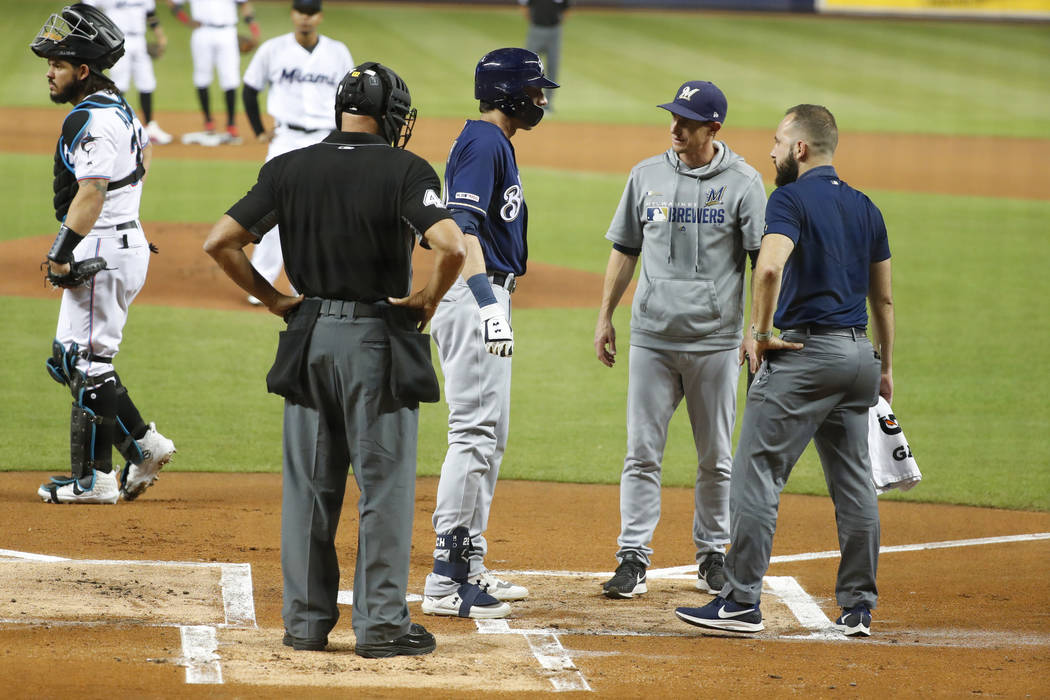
(81, 33)
(501, 78)
(374, 90)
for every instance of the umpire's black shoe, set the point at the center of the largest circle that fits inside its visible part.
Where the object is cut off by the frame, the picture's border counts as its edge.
(417, 642)
(304, 644)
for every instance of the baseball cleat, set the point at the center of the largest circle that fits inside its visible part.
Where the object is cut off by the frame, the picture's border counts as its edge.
(723, 614)
(710, 575)
(416, 642)
(468, 601)
(254, 300)
(99, 487)
(158, 135)
(855, 622)
(628, 581)
(300, 644)
(499, 588)
(157, 451)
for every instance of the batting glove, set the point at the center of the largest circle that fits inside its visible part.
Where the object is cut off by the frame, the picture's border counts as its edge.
(499, 336)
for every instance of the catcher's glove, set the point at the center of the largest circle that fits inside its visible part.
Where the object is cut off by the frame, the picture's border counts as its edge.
(80, 272)
(154, 49)
(246, 43)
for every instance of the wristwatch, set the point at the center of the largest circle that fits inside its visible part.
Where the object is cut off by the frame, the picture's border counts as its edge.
(761, 336)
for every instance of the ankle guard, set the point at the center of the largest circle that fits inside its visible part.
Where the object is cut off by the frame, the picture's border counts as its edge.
(457, 543)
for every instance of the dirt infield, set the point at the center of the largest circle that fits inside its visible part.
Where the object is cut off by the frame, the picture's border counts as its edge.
(181, 590)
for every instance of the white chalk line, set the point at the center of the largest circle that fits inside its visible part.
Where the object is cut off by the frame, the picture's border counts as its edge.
(548, 651)
(689, 571)
(199, 642)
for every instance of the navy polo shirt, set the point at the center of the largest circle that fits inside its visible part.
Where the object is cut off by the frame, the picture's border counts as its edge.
(838, 233)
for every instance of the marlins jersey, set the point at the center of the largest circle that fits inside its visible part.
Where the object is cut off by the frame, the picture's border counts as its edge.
(129, 15)
(482, 178)
(302, 84)
(102, 138)
(213, 13)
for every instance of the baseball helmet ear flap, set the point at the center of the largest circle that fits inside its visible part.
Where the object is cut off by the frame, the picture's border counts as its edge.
(374, 90)
(81, 33)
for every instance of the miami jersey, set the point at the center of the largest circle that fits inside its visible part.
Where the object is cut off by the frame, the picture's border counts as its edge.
(213, 13)
(482, 178)
(129, 15)
(302, 84)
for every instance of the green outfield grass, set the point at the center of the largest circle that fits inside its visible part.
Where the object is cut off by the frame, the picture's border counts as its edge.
(968, 373)
(880, 75)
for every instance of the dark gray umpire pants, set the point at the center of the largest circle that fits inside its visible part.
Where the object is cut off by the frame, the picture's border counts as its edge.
(821, 392)
(357, 423)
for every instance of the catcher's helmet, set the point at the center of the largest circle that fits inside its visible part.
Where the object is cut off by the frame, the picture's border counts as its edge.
(374, 90)
(501, 78)
(81, 33)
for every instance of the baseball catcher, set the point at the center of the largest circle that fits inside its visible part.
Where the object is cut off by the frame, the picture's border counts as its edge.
(102, 155)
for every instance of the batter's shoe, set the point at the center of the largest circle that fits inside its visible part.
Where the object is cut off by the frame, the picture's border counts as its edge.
(499, 588)
(724, 614)
(710, 575)
(98, 487)
(468, 601)
(158, 451)
(628, 581)
(300, 644)
(158, 135)
(855, 622)
(415, 643)
(254, 300)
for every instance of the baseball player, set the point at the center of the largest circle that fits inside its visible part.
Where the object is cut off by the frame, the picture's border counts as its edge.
(215, 46)
(133, 17)
(100, 161)
(693, 214)
(484, 193)
(825, 258)
(302, 70)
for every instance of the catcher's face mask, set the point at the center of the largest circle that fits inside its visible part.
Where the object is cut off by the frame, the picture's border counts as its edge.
(58, 27)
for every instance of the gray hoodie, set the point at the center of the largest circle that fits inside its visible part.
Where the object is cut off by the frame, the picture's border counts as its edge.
(693, 228)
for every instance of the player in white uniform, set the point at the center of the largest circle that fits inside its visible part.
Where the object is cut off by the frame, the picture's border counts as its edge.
(100, 161)
(215, 48)
(302, 70)
(133, 17)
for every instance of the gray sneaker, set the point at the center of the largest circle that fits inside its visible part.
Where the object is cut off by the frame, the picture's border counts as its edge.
(710, 575)
(628, 581)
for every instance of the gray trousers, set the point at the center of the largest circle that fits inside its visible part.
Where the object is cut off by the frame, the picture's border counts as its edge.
(477, 388)
(546, 42)
(658, 381)
(821, 392)
(357, 423)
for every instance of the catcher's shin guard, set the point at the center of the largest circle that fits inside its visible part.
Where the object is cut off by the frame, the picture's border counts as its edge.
(457, 543)
(130, 426)
(91, 427)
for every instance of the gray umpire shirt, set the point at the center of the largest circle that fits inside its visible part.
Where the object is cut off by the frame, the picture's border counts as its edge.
(693, 227)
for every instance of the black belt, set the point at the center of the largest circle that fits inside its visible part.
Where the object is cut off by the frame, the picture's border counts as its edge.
(507, 280)
(349, 309)
(296, 127)
(854, 332)
(126, 225)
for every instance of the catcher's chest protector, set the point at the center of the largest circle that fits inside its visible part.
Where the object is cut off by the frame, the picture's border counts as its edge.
(73, 128)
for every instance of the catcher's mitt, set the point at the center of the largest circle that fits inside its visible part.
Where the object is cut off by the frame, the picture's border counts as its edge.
(154, 49)
(80, 272)
(246, 43)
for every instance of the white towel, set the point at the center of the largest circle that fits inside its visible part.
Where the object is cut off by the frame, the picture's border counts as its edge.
(892, 464)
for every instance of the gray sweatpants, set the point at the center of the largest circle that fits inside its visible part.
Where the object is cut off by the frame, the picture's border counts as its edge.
(546, 42)
(357, 423)
(821, 392)
(477, 388)
(658, 380)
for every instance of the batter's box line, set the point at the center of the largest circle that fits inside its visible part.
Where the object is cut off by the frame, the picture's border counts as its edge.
(235, 581)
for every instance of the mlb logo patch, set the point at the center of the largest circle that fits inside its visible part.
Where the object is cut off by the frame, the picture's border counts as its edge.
(656, 213)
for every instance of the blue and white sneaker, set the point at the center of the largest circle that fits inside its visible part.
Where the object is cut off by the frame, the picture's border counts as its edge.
(855, 622)
(723, 614)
